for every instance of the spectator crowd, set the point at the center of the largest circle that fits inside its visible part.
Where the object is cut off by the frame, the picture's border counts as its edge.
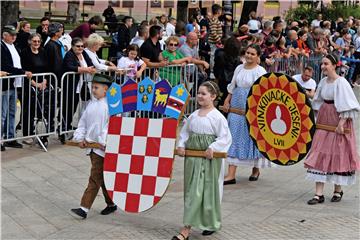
(206, 40)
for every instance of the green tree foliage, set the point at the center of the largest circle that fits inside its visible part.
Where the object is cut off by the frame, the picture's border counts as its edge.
(9, 12)
(331, 12)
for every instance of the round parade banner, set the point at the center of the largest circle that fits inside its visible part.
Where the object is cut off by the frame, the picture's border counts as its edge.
(280, 118)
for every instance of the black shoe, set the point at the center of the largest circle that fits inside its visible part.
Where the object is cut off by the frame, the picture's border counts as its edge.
(316, 199)
(108, 210)
(254, 178)
(79, 212)
(337, 196)
(62, 138)
(3, 148)
(13, 144)
(45, 141)
(207, 233)
(231, 181)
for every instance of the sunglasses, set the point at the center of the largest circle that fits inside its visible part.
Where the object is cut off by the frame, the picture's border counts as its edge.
(173, 44)
(35, 41)
(79, 46)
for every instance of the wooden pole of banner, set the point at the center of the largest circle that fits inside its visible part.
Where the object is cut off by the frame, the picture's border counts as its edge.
(233, 110)
(88, 145)
(188, 153)
(195, 153)
(330, 128)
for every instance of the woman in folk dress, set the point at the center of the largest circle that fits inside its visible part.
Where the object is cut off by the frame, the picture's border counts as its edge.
(206, 130)
(333, 156)
(243, 151)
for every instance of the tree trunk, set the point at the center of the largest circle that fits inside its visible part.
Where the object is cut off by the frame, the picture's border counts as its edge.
(182, 11)
(9, 12)
(73, 11)
(248, 7)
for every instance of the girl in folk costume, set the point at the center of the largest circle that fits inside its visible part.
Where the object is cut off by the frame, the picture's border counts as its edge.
(207, 130)
(333, 156)
(243, 151)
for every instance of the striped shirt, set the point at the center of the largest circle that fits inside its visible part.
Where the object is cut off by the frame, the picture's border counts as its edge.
(215, 31)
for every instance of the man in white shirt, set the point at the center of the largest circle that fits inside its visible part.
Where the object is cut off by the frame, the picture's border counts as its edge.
(306, 81)
(10, 62)
(170, 27)
(316, 22)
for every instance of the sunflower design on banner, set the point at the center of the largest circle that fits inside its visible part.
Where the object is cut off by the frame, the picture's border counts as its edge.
(280, 118)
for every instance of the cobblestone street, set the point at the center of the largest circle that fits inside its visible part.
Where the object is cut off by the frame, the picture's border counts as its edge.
(39, 189)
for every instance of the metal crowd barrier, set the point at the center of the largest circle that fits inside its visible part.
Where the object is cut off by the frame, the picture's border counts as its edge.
(39, 115)
(75, 91)
(28, 111)
(292, 66)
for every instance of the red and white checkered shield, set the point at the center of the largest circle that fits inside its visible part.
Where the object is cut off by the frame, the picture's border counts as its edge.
(138, 161)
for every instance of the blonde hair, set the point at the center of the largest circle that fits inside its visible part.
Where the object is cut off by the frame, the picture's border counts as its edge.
(94, 39)
(172, 39)
(153, 21)
(23, 24)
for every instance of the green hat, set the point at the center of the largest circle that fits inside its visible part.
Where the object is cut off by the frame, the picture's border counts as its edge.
(9, 29)
(102, 78)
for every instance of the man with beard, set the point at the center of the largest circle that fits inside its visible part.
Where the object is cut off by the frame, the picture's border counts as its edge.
(150, 50)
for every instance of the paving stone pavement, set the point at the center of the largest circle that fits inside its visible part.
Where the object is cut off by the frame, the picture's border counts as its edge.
(39, 189)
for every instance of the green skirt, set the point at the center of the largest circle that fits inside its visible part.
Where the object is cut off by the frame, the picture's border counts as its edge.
(201, 186)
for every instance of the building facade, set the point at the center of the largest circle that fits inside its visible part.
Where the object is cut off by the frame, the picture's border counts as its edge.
(145, 9)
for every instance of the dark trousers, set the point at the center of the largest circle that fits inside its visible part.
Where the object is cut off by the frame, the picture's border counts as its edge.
(357, 68)
(96, 181)
(70, 102)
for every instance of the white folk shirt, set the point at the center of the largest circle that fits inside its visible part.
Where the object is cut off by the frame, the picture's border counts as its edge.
(93, 125)
(343, 95)
(310, 84)
(214, 123)
(245, 78)
(16, 62)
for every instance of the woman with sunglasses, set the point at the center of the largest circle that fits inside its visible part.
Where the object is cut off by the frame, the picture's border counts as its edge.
(174, 57)
(76, 60)
(37, 99)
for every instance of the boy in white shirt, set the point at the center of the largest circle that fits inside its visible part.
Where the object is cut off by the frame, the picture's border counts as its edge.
(92, 128)
(306, 81)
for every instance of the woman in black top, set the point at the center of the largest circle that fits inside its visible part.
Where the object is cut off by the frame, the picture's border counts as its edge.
(23, 35)
(38, 95)
(226, 60)
(75, 60)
